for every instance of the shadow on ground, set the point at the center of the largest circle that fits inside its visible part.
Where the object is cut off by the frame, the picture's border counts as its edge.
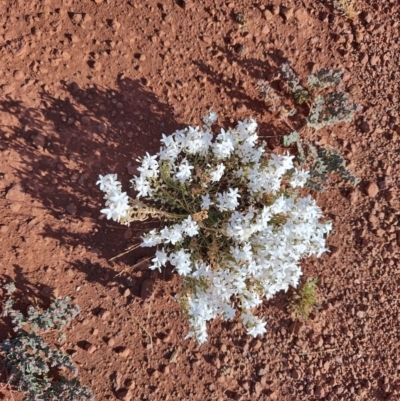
(72, 137)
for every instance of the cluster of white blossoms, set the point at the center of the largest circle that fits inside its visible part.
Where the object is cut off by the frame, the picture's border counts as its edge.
(238, 227)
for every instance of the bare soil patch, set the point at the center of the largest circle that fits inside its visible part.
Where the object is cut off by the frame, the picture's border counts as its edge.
(88, 86)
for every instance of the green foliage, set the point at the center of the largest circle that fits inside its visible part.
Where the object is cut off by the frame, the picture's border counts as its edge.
(31, 361)
(330, 109)
(326, 108)
(293, 137)
(320, 161)
(304, 300)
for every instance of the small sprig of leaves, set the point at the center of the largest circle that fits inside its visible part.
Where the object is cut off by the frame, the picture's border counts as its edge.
(347, 8)
(328, 108)
(320, 161)
(30, 360)
(304, 300)
(301, 94)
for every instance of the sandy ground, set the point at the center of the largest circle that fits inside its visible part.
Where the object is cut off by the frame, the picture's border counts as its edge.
(88, 86)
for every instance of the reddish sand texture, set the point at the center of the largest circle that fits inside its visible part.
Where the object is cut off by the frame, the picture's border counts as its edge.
(88, 86)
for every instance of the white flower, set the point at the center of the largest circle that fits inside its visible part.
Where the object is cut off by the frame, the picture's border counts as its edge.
(206, 202)
(142, 186)
(254, 325)
(108, 182)
(210, 118)
(174, 234)
(184, 171)
(118, 202)
(181, 261)
(190, 227)
(217, 174)
(299, 178)
(149, 167)
(224, 145)
(228, 200)
(281, 163)
(160, 260)
(197, 141)
(152, 238)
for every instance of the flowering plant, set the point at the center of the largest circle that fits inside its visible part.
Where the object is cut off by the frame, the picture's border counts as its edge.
(326, 107)
(238, 226)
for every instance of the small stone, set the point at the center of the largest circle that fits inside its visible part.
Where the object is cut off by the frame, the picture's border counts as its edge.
(98, 1)
(128, 234)
(241, 108)
(96, 65)
(361, 314)
(276, 10)
(95, 332)
(130, 384)
(85, 120)
(319, 391)
(363, 58)
(127, 293)
(7, 89)
(147, 288)
(296, 374)
(267, 14)
(105, 314)
(124, 394)
(77, 18)
(142, 57)
(115, 25)
(110, 342)
(365, 128)
(301, 16)
(71, 208)
(167, 18)
(287, 13)
(262, 372)
(188, 4)
(273, 396)
(367, 17)
(266, 30)
(102, 127)
(354, 90)
(372, 190)
(91, 348)
(258, 388)
(39, 141)
(18, 75)
(66, 56)
(374, 60)
(123, 352)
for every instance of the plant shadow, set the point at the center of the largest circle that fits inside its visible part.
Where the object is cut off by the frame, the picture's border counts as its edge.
(71, 137)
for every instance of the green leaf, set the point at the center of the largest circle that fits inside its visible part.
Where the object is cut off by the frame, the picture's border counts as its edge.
(293, 137)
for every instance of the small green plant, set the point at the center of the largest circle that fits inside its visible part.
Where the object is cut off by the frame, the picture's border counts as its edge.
(304, 300)
(346, 8)
(326, 107)
(31, 361)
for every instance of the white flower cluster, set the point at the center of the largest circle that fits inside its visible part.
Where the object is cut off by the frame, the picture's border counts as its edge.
(116, 200)
(243, 229)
